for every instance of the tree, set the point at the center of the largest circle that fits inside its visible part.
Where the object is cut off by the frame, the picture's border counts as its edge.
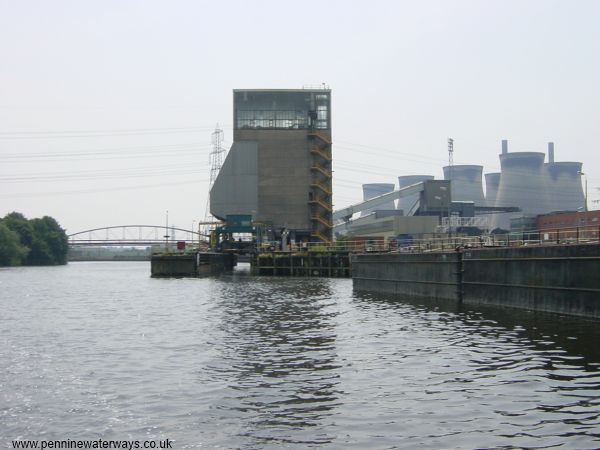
(12, 252)
(19, 224)
(50, 243)
(40, 241)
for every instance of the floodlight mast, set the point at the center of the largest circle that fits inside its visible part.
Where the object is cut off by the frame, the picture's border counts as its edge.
(450, 164)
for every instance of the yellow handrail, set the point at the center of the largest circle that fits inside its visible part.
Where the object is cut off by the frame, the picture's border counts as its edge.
(323, 221)
(319, 235)
(321, 186)
(321, 203)
(320, 136)
(322, 170)
(315, 150)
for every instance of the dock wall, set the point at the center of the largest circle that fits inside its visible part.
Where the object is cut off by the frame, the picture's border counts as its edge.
(334, 264)
(190, 264)
(420, 275)
(555, 278)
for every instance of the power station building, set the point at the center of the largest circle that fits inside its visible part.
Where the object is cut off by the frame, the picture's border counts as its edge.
(279, 167)
(372, 190)
(526, 188)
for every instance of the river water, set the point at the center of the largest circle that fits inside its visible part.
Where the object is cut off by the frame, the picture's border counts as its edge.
(101, 350)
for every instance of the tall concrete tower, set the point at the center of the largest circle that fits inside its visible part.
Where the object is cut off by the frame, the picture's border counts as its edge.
(407, 204)
(279, 168)
(523, 182)
(466, 183)
(563, 181)
(492, 182)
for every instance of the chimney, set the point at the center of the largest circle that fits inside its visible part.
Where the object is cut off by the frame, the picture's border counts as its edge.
(504, 146)
(550, 152)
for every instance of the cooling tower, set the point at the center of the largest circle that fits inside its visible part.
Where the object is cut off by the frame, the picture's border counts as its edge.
(407, 204)
(523, 182)
(466, 183)
(375, 190)
(564, 189)
(492, 182)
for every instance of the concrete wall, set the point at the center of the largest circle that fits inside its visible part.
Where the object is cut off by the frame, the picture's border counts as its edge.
(235, 190)
(419, 275)
(284, 176)
(173, 265)
(190, 264)
(554, 278)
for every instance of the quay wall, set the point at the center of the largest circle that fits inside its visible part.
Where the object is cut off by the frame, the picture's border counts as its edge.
(420, 275)
(552, 278)
(190, 264)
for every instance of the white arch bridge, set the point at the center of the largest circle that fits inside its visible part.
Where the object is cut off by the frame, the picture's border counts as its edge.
(134, 235)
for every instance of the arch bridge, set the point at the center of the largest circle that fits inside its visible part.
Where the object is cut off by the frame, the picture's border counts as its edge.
(134, 235)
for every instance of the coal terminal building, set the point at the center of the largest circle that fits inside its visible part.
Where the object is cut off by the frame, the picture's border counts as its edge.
(279, 167)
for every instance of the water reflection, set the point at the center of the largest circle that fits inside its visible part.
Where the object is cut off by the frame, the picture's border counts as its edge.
(278, 351)
(507, 377)
(105, 351)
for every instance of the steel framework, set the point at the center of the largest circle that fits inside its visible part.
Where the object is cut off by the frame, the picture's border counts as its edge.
(133, 235)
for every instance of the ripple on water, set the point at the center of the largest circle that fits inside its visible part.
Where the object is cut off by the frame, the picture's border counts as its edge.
(102, 350)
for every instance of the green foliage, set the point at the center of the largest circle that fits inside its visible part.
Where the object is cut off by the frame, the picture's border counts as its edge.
(12, 252)
(39, 241)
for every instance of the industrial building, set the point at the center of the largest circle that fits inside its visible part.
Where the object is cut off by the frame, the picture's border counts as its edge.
(568, 220)
(536, 187)
(433, 203)
(526, 187)
(466, 183)
(372, 190)
(564, 183)
(279, 167)
(409, 204)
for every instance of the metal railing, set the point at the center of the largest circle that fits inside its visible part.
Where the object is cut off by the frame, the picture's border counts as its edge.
(579, 235)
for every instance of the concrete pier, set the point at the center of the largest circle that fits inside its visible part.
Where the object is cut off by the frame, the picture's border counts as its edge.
(433, 275)
(555, 278)
(552, 278)
(190, 264)
(332, 264)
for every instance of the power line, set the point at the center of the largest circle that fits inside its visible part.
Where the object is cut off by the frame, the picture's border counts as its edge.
(91, 191)
(8, 135)
(118, 151)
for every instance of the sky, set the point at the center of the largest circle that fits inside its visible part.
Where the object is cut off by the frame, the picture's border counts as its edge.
(107, 107)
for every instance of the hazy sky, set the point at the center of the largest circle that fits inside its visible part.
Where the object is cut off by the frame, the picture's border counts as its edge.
(107, 107)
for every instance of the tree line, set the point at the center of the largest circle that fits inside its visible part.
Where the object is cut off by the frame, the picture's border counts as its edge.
(32, 242)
